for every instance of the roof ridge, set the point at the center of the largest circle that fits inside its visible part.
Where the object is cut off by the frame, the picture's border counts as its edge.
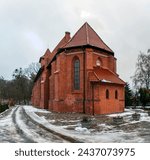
(59, 43)
(75, 34)
(87, 33)
(115, 74)
(99, 37)
(107, 74)
(96, 76)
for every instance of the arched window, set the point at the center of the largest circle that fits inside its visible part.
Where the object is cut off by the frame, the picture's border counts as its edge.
(107, 94)
(98, 63)
(116, 94)
(76, 74)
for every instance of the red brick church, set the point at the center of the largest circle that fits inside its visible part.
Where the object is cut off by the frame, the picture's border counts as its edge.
(79, 75)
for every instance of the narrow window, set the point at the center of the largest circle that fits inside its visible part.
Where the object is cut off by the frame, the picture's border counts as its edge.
(98, 63)
(107, 94)
(77, 74)
(116, 94)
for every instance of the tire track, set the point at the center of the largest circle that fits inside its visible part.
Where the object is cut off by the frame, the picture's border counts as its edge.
(31, 131)
(19, 130)
(62, 136)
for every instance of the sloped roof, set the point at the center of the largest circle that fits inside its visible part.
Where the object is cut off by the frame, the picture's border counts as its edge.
(46, 54)
(62, 43)
(38, 74)
(104, 75)
(87, 36)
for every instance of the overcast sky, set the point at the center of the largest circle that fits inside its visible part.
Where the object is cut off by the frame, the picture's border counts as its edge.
(29, 27)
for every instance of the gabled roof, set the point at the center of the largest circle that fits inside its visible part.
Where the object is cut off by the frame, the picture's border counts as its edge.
(62, 43)
(104, 75)
(87, 36)
(50, 55)
(46, 54)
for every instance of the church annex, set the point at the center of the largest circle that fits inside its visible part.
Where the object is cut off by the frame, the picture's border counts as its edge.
(79, 75)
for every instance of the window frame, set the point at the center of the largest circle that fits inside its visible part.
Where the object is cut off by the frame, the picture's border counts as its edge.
(116, 94)
(107, 94)
(76, 73)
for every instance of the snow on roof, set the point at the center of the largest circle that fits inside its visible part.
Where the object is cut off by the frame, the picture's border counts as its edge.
(104, 80)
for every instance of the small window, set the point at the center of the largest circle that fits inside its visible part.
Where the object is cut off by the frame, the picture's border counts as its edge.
(98, 63)
(107, 94)
(116, 94)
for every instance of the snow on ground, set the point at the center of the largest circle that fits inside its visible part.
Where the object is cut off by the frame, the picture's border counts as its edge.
(32, 131)
(28, 132)
(33, 109)
(125, 113)
(15, 127)
(145, 117)
(82, 130)
(97, 129)
(7, 129)
(44, 122)
(7, 121)
(130, 131)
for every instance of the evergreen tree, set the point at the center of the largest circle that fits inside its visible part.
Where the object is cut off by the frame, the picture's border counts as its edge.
(128, 95)
(144, 96)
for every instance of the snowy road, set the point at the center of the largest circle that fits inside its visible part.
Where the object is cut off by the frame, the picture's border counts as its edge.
(8, 131)
(15, 126)
(28, 124)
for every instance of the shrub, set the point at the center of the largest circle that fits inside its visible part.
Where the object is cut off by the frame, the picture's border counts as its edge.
(3, 107)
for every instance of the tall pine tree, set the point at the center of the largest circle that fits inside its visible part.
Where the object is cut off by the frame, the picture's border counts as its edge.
(128, 95)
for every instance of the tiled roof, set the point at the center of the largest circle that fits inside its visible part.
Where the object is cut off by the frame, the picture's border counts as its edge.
(47, 54)
(63, 42)
(87, 36)
(104, 75)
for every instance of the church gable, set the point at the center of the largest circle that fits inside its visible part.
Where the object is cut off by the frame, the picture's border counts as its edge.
(87, 36)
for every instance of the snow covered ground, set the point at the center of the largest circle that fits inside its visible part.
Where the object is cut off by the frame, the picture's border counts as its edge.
(8, 132)
(98, 129)
(16, 127)
(29, 124)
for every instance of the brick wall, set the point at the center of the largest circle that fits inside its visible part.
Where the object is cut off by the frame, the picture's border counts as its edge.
(54, 90)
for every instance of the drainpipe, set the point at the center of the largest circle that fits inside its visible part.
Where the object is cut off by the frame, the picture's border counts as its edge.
(84, 80)
(93, 98)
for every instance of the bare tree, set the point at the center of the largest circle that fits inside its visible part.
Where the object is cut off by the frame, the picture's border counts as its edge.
(32, 70)
(20, 87)
(141, 78)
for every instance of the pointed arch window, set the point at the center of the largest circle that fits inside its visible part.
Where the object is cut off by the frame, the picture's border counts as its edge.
(98, 62)
(116, 94)
(107, 94)
(77, 74)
